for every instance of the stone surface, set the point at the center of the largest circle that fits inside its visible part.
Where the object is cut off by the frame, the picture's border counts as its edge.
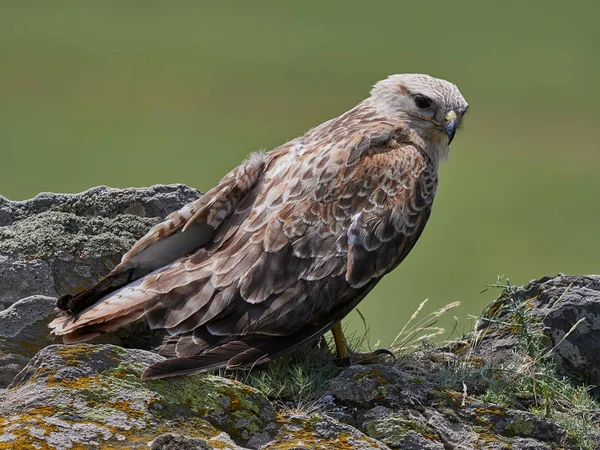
(10, 365)
(102, 201)
(92, 394)
(172, 441)
(60, 243)
(554, 305)
(404, 411)
(559, 303)
(297, 431)
(23, 331)
(20, 320)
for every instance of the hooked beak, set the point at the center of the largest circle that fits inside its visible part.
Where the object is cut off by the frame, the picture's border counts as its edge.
(449, 125)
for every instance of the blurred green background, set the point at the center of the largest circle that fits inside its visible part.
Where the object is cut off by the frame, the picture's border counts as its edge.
(140, 93)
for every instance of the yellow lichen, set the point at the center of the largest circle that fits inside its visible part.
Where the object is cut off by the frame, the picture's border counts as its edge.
(26, 423)
(77, 383)
(73, 353)
(372, 372)
(300, 432)
(490, 410)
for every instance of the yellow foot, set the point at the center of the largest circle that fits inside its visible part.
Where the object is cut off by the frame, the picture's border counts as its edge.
(341, 346)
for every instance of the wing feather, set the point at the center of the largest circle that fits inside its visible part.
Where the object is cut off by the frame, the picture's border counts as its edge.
(299, 236)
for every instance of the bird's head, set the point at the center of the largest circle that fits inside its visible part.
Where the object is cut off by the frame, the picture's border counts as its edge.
(431, 107)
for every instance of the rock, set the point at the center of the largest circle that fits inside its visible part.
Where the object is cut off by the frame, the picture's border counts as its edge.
(21, 320)
(23, 331)
(302, 432)
(92, 394)
(224, 441)
(172, 441)
(375, 385)
(55, 244)
(10, 365)
(155, 201)
(397, 431)
(230, 406)
(559, 303)
(60, 243)
(404, 411)
(552, 305)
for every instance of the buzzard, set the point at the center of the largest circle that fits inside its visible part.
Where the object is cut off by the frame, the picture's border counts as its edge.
(287, 243)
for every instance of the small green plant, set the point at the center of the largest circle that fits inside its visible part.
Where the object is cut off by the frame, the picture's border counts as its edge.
(297, 378)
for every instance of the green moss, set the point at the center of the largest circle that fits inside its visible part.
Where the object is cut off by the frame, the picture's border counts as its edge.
(447, 397)
(237, 408)
(487, 439)
(391, 429)
(519, 427)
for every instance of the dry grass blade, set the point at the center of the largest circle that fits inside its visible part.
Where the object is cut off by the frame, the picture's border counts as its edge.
(416, 329)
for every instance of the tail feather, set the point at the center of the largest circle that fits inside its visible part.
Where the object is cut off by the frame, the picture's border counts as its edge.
(159, 248)
(237, 353)
(217, 358)
(114, 310)
(94, 330)
(79, 302)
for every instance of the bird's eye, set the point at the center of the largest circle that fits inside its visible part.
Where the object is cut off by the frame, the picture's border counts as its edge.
(422, 102)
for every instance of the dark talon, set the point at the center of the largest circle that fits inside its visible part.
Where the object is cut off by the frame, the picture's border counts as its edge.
(371, 357)
(384, 351)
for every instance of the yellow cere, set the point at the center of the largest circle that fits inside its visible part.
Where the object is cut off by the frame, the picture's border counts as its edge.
(450, 116)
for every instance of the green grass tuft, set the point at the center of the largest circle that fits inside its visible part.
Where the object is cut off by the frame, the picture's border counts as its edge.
(297, 378)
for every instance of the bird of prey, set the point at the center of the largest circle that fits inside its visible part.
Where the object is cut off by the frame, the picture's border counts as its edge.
(287, 243)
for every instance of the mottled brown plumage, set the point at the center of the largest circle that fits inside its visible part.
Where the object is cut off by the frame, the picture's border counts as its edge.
(287, 243)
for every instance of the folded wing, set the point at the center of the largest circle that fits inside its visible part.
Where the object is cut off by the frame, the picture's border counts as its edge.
(285, 259)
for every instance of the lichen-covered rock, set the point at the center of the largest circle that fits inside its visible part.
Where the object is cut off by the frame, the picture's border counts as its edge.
(553, 306)
(60, 243)
(559, 303)
(233, 407)
(102, 201)
(92, 395)
(399, 430)
(24, 331)
(404, 411)
(172, 441)
(319, 433)
(375, 385)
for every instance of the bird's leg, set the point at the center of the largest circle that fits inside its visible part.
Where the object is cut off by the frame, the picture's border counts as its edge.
(343, 352)
(341, 346)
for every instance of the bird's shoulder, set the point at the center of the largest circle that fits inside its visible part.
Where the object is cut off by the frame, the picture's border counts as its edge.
(357, 147)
